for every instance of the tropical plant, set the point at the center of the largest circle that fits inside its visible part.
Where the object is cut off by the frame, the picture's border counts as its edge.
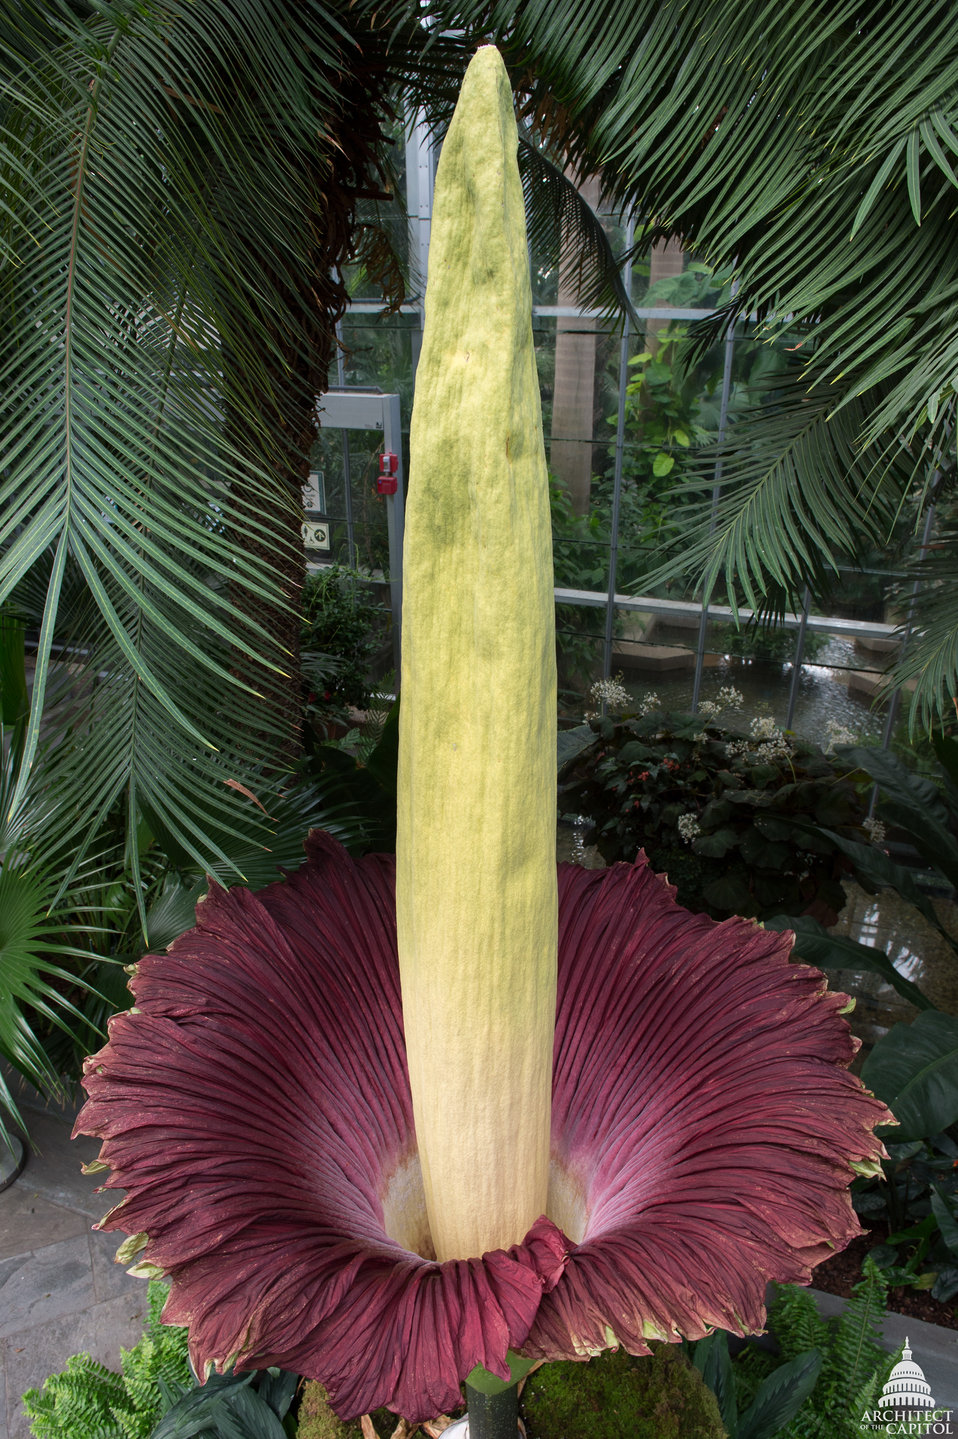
(42, 934)
(914, 1068)
(713, 807)
(341, 631)
(156, 1395)
(89, 1401)
(164, 336)
(162, 355)
(792, 146)
(356, 776)
(767, 643)
(921, 810)
(394, 1220)
(821, 1377)
(177, 293)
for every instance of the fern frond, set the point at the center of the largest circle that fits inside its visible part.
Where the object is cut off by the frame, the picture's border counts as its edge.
(80, 1403)
(857, 1350)
(89, 1401)
(795, 1319)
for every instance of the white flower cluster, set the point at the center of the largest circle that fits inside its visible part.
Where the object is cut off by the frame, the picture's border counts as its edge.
(688, 827)
(766, 745)
(773, 744)
(727, 698)
(875, 830)
(838, 734)
(612, 693)
(649, 703)
(774, 749)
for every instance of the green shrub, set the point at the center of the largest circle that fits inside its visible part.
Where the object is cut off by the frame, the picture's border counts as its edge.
(342, 631)
(822, 1376)
(854, 1364)
(157, 1395)
(734, 819)
(767, 643)
(89, 1401)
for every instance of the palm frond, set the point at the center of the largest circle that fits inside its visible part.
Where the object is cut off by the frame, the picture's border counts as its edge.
(797, 492)
(33, 982)
(148, 306)
(928, 667)
(561, 222)
(794, 144)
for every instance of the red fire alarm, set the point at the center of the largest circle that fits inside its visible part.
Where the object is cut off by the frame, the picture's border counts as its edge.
(388, 480)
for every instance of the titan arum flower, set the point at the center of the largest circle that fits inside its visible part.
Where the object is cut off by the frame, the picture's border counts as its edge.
(383, 1122)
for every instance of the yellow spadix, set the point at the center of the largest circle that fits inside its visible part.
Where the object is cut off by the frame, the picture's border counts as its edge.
(476, 876)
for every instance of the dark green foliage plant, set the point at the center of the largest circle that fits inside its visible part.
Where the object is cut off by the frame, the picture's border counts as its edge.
(818, 1379)
(919, 810)
(656, 1397)
(914, 1069)
(580, 553)
(767, 643)
(919, 1204)
(759, 1405)
(342, 630)
(89, 1401)
(157, 1396)
(357, 777)
(854, 1364)
(234, 1406)
(712, 807)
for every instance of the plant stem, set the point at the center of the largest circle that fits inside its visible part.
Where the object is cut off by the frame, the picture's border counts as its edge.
(493, 1416)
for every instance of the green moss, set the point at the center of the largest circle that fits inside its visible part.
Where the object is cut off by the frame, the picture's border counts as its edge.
(317, 1420)
(618, 1397)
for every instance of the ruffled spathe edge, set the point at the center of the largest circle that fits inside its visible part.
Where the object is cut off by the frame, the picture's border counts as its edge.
(700, 1100)
(701, 1095)
(255, 1141)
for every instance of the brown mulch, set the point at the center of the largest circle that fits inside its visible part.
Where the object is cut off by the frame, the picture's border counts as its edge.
(836, 1276)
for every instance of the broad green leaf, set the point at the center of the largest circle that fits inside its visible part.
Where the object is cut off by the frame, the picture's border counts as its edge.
(716, 845)
(914, 802)
(711, 1358)
(780, 1396)
(818, 946)
(945, 1217)
(914, 1070)
(728, 893)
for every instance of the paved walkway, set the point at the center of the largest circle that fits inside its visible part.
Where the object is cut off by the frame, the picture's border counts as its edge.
(61, 1292)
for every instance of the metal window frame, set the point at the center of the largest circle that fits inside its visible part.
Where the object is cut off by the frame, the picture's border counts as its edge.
(420, 175)
(343, 407)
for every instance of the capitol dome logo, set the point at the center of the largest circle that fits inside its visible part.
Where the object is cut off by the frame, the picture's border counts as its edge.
(906, 1405)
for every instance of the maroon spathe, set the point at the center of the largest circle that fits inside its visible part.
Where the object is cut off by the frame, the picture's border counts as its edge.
(255, 1107)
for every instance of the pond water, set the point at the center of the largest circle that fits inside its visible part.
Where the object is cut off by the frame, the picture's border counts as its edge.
(823, 699)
